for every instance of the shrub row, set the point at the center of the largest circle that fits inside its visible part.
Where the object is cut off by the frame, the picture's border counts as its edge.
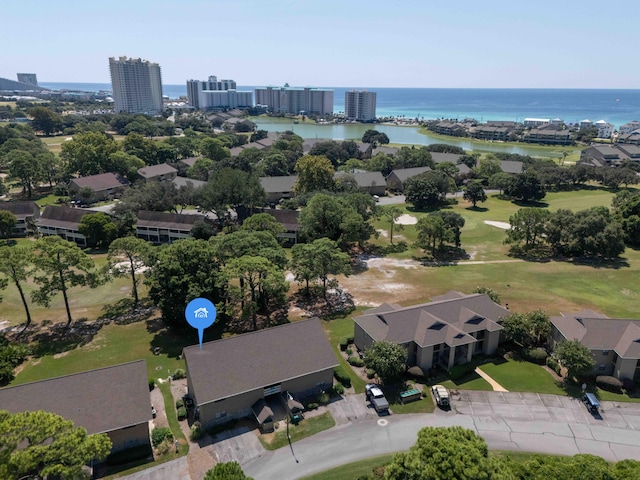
(344, 342)
(458, 371)
(159, 434)
(179, 403)
(342, 376)
(611, 384)
(535, 355)
(355, 361)
(553, 365)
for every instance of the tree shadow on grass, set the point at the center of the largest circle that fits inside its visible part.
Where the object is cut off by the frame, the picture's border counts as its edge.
(58, 338)
(477, 209)
(533, 204)
(124, 311)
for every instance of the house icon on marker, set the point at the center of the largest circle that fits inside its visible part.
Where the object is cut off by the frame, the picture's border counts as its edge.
(201, 313)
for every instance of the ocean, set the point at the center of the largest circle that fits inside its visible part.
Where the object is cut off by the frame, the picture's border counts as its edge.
(572, 105)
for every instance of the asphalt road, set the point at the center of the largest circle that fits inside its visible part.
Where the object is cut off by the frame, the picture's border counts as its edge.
(351, 442)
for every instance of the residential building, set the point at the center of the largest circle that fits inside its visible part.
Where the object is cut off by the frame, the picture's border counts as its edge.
(113, 400)
(227, 377)
(277, 188)
(609, 155)
(445, 332)
(605, 129)
(490, 132)
(161, 227)
(629, 127)
(104, 186)
(536, 122)
(158, 173)
(372, 183)
(26, 213)
(360, 105)
(63, 221)
(136, 86)
(398, 177)
(614, 343)
(289, 220)
(586, 123)
(28, 78)
(215, 94)
(295, 101)
(549, 135)
(447, 127)
(632, 138)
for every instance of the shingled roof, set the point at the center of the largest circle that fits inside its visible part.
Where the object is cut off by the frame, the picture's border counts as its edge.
(258, 359)
(100, 182)
(63, 217)
(21, 209)
(167, 220)
(100, 400)
(450, 320)
(153, 171)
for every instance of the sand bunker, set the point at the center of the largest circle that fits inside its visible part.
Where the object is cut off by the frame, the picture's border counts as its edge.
(502, 225)
(406, 220)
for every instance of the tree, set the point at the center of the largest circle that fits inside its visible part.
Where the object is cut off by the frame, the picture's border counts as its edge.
(200, 169)
(126, 165)
(180, 272)
(226, 471)
(388, 359)
(488, 167)
(23, 167)
(61, 265)
(492, 294)
(16, 265)
(431, 230)
(445, 453)
(577, 358)
(49, 165)
(528, 225)
(7, 221)
(453, 222)
(98, 229)
(45, 445)
(315, 173)
(499, 181)
(428, 189)
(232, 188)
(392, 213)
(516, 327)
(263, 222)
(375, 137)
(259, 280)
(525, 187)
(474, 193)
(89, 153)
(135, 251)
(45, 120)
(245, 242)
(318, 260)
(214, 149)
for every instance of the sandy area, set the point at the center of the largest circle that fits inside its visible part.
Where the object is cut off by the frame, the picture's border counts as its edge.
(502, 225)
(406, 219)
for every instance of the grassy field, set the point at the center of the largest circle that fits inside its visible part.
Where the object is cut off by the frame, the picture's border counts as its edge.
(521, 376)
(336, 329)
(473, 381)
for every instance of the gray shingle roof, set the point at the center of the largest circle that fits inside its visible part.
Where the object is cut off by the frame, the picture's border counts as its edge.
(365, 179)
(228, 367)
(100, 182)
(21, 209)
(63, 217)
(151, 171)
(278, 184)
(167, 220)
(100, 400)
(450, 321)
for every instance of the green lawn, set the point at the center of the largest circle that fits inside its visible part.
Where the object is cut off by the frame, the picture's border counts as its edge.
(354, 470)
(522, 376)
(336, 329)
(473, 381)
(306, 428)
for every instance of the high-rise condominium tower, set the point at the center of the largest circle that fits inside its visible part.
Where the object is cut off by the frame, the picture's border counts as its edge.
(29, 78)
(360, 105)
(136, 85)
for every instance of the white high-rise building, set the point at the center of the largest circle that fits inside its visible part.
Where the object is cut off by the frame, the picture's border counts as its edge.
(360, 105)
(136, 85)
(310, 101)
(215, 94)
(605, 129)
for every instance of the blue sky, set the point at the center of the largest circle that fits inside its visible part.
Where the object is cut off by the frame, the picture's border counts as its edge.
(341, 43)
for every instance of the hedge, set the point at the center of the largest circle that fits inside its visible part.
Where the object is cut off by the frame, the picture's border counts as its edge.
(182, 413)
(458, 371)
(179, 403)
(342, 376)
(553, 365)
(611, 384)
(535, 355)
(355, 361)
(159, 434)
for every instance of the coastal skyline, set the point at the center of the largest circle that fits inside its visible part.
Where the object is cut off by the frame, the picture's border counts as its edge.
(495, 44)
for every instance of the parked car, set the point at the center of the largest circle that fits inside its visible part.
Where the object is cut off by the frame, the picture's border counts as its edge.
(377, 398)
(441, 395)
(591, 401)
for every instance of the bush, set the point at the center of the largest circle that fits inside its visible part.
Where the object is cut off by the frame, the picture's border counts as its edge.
(159, 435)
(338, 388)
(129, 455)
(553, 365)
(628, 385)
(179, 374)
(342, 376)
(182, 413)
(349, 351)
(197, 432)
(6, 373)
(611, 384)
(535, 355)
(164, 447)
(323, 398)
(152, 384)
(355, 361)
(416, 371)
(312, 406)
(343, 344)
(371, 373)
(179, 403)
(458, 371)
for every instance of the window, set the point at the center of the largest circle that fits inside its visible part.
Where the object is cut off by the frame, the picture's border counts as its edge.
(605, 352)
(602, 366)
(221, 415)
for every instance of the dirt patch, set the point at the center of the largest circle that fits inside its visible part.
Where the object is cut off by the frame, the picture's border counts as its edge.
(406, 219)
